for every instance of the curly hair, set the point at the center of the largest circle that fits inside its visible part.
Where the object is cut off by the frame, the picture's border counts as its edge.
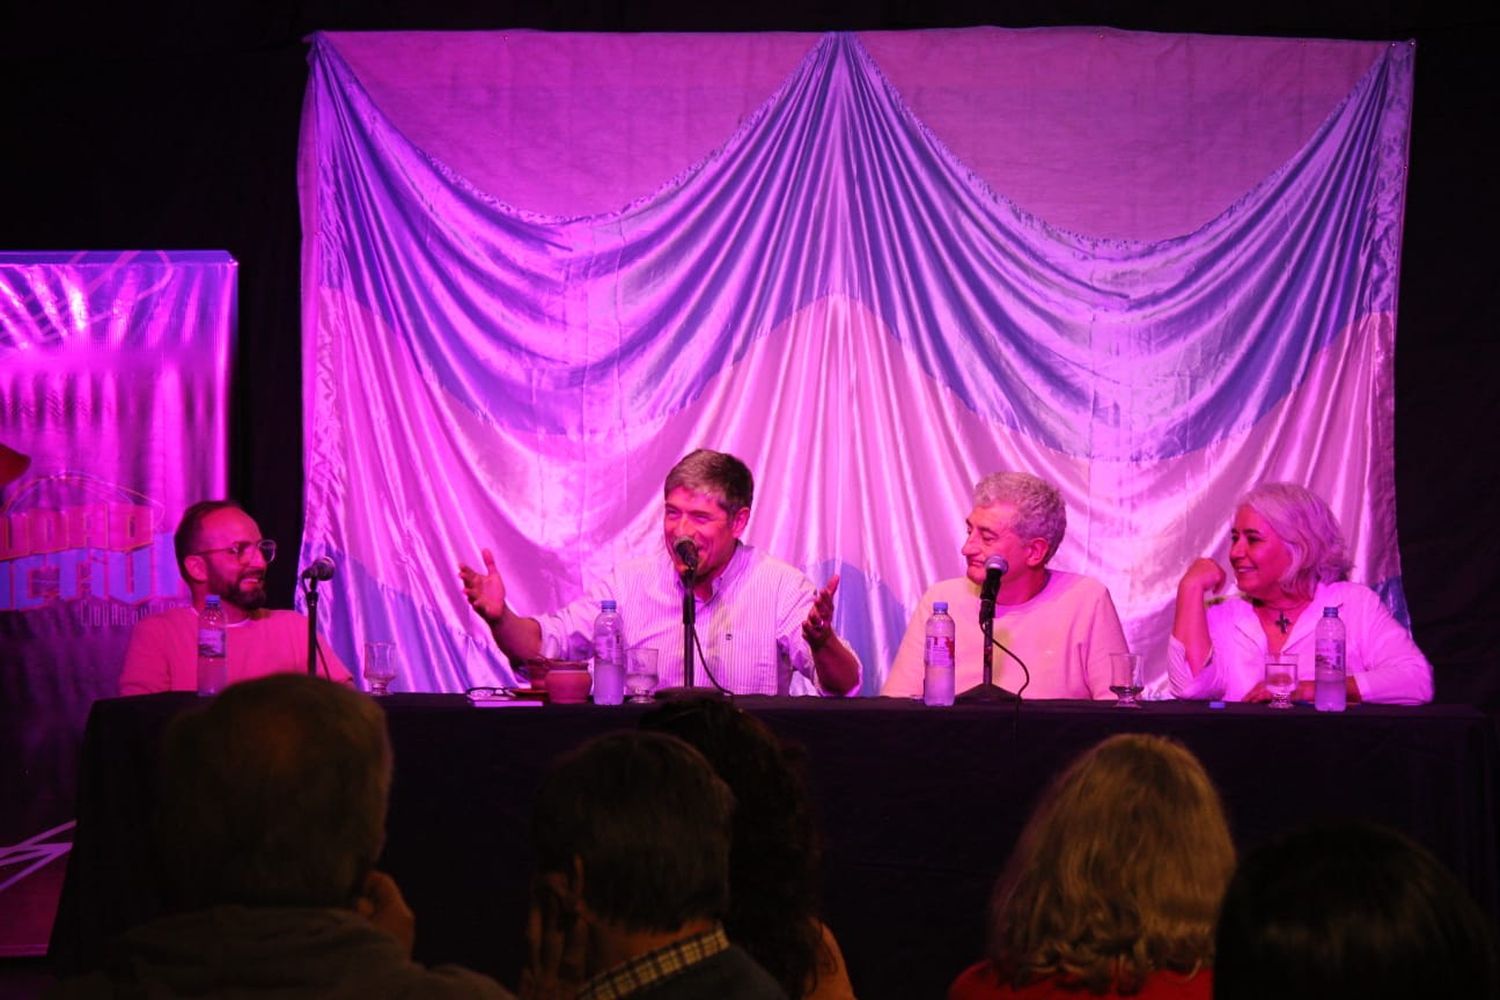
(1118, 873)
(1040, 511)
(775, 853)
(1306, 525)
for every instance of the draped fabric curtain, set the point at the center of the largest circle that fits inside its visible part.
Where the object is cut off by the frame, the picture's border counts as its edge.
(539, 269)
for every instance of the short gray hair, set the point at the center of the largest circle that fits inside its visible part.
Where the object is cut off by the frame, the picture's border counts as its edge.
(1304, 522)
(1040, 511)
(705, 471)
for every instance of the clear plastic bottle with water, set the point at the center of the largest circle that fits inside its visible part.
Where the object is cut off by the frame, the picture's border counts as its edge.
(609, 656)
(1329, 691)
(937, 657)
(213, 663)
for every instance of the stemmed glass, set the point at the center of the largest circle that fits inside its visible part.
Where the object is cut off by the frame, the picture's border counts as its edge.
(1281, 680)
(1125, 678)
(380, 666)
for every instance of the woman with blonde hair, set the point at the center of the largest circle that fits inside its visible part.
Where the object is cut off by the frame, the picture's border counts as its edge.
(1114, 884)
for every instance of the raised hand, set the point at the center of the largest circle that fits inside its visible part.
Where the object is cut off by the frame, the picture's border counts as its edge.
(818, 626)
(382, 904)
(1204, 576)
(1189, 617)
(485, 591)
(556, 946)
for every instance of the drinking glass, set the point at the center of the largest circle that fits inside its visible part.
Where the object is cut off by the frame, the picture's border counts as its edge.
(1125, 678)
(1281, 680)
(640, 673)
(380, 666)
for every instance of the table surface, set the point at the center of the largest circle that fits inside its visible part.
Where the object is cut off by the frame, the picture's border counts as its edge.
(918, 807)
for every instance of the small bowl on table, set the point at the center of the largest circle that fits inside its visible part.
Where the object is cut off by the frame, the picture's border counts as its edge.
(568, 682)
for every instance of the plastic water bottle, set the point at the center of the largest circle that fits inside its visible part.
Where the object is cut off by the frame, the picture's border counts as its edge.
(609, 656)
(937, 657)
(213, 666)
(1329, 693)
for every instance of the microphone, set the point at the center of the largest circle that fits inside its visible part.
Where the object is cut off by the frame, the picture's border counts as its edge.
(994, 568)
(688, 553)
(322, 568)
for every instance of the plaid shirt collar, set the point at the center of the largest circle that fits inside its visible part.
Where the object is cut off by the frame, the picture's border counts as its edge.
(654, 966)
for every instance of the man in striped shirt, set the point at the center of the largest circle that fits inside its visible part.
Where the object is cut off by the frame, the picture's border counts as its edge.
(762, 627)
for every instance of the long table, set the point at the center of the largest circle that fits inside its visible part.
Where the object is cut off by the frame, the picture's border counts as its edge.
(919, 808)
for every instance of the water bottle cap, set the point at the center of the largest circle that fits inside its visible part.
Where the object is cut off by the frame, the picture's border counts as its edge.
(211, 601)
(1330, 612)
(606, 605)
(940, 607)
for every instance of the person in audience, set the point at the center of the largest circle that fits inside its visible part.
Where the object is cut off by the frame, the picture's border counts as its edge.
(1351, 911)
(774, 854)
(220, 552)
(759, 619)
(1062, 625)
(272, 814)
(1289, 562)
(631, 833)
(1113, 886)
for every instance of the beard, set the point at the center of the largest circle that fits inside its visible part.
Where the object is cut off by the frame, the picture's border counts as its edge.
(247, 593)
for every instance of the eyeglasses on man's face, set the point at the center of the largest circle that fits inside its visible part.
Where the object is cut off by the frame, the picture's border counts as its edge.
(265, 546)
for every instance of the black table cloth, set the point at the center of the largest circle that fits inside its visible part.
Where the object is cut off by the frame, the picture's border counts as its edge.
(918, 806)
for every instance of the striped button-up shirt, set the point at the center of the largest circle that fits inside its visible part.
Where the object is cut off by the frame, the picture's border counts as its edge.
(750, 628)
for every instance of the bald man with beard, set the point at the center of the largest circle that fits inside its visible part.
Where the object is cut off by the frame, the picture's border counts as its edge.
(220, 552)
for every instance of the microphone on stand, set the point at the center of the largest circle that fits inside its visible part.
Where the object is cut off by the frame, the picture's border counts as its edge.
(688, 553)
(994, 568)
(322, 568)
(987, 690)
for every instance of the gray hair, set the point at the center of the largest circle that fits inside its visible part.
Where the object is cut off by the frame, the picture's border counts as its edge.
(1304, 522)
(705, 471)
(1040, 511)
(274, 794)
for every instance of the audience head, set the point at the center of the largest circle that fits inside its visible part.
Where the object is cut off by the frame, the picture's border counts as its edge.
(1304, 523)
(775, 853)
(1039, 508)
(715, 473)
(274, 794)
(1351, 910)
(643, 822)
(1118, 873)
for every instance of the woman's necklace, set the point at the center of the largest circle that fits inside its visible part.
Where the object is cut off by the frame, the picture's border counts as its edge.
(1281, 621)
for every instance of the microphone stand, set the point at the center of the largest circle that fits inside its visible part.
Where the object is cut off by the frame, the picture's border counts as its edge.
(689, 620)
(312, 626)
(987, 692)
(689, 641)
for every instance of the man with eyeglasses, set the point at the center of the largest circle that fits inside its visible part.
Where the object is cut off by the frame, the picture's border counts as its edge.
(220, 552)
(762, 626)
